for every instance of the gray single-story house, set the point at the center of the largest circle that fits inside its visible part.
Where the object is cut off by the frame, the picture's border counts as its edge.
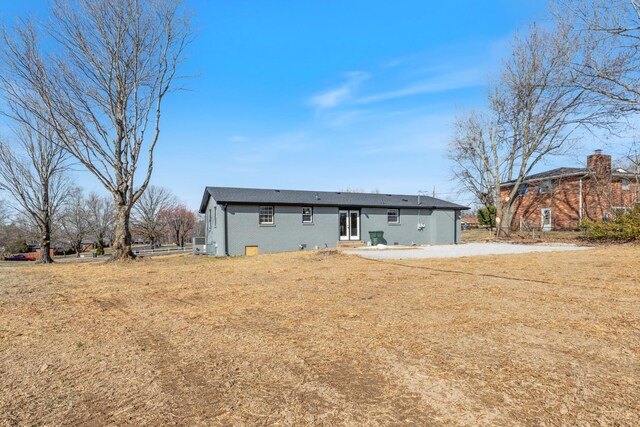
(245, 221)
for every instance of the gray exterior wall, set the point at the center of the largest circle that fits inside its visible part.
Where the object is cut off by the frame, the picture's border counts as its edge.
(439, 226)
(289, 232)
(286, 234)
(214, 228)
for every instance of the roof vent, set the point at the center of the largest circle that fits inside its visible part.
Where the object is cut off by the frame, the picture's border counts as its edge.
(405, 200)
(317, 196)
(598, 151)
(277, 191)
(388, 195)
(337, 192)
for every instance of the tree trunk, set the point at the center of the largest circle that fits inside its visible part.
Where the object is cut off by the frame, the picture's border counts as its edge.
(122, 242)
(506, 216)
(45, 243)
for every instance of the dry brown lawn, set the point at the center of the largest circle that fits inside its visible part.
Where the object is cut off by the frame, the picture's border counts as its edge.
(324, 339)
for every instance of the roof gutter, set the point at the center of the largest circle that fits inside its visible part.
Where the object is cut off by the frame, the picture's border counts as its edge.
(345, 205)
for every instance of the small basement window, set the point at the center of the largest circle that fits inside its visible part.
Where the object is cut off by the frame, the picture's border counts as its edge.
(393, 216)
(307, 215)
(625, 184)
(266, 215)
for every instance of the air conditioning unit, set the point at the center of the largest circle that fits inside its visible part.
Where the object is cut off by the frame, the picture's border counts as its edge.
(199, 246)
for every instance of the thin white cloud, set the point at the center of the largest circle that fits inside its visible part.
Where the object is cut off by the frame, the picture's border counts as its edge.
(441, 83)
(336, 96)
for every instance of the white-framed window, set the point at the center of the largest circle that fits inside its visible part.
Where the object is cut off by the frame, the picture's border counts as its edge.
(625, 184)
(307, 215)
(393, 216)
(266, 215)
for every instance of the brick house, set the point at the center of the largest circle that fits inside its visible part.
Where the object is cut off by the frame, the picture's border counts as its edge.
(561, 198)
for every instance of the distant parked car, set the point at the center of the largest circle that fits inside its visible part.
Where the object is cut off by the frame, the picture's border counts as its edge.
(19, 257)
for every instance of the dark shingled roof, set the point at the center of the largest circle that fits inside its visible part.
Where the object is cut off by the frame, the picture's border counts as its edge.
(553, 173)
(254, 196)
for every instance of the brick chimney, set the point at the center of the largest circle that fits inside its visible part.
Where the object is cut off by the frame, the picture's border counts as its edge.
(600, 165)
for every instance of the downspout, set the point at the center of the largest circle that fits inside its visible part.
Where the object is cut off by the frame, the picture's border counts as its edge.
(580, 211)
(226, 232)
(455, 227)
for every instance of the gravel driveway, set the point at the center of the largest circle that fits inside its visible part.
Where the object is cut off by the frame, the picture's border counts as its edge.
(462, 250)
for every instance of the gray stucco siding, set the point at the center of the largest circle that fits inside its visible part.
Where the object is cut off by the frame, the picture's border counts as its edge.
(214, 228)
(444, 227)
(438, 226)
(286, 234)
(405, 232)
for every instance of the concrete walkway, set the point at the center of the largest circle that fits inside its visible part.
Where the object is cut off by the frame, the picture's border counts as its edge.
(457, 251)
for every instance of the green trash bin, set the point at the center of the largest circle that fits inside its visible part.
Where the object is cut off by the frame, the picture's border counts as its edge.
(376, 237)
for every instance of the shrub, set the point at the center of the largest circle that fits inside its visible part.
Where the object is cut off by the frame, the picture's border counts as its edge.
(623, 227)
(100, 248)
(18, 246)
(487, 216)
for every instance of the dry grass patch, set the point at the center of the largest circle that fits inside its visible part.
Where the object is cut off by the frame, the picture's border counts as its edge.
(324, 339)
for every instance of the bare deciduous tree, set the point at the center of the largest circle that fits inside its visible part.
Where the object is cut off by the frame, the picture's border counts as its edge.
(199, 226)
(34, 176)
(110, 67)
(180, 222)
(4, 213)
(5, 233)
(75, 219)
(101, 219)
(147, 220)
(534, 109)
(607, 34)
(476, 151)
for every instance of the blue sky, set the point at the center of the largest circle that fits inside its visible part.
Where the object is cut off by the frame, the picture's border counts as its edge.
(326, 95)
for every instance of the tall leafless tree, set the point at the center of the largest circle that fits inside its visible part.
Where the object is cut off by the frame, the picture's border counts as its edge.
(101, 219)
(103, 84)
(32, 171)
(147, 220)
(4, 213)
(180, 222)
(75, 219)
(607, 34)
(476, 151)
(4, 225)
(535, 107)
